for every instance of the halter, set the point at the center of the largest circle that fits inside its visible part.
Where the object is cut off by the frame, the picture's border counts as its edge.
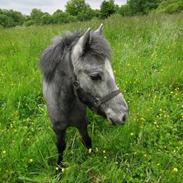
(91, 101)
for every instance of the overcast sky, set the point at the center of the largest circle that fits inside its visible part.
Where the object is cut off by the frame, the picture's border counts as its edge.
(25, 6)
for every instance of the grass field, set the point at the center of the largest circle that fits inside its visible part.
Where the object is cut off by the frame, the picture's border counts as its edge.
(148, 64)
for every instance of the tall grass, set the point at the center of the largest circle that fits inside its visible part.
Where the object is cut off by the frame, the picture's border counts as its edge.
(148, 64)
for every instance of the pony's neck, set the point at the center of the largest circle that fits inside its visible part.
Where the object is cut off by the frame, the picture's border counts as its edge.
(68, 73)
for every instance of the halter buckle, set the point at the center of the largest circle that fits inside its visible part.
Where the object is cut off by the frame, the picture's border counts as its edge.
(76, 84)
(97, 102)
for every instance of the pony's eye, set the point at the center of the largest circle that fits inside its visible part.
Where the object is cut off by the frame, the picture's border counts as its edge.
(96, 77)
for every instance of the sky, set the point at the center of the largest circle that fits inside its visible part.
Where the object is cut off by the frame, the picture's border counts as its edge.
(25, 6)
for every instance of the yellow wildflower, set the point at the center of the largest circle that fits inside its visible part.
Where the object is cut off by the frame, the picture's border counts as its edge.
(30, 160)
(175, 169)
(89, 151)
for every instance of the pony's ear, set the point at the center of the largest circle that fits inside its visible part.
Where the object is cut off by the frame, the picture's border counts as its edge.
(80, 45)
(100, 30)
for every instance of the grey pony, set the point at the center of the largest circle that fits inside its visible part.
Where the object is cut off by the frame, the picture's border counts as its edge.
(87, 57)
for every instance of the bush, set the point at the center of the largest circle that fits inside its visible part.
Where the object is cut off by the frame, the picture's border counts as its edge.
(84, 15)
(28, 23)
(60, 17)
(46, 19)
(170, 6)
(142, 6)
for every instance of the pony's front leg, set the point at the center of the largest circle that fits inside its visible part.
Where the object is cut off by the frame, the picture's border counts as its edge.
(86, 140)
(61, 144)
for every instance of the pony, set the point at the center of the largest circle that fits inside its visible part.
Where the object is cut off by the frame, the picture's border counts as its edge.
(77, 74)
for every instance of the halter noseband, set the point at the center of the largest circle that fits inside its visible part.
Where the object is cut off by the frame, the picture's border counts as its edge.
(91, 101)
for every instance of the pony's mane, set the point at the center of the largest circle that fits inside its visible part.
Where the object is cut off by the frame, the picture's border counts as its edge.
(56, 52)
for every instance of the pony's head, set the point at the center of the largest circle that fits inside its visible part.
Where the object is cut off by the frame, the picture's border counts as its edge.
(94, 78)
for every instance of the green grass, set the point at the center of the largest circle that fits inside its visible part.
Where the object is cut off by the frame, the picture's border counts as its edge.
(148, 64)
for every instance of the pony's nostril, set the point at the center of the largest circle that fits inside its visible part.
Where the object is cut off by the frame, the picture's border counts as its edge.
(118, 119)
(124, 118)
(112, 120)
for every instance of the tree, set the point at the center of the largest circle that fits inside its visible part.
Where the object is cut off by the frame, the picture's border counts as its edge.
(46, 18)
(60, 17)
(17, 17)
(74, 7)
(10, 18)
(86, 14)
(36, 15)
(142, 6)
(107, 8)
(124, 10)
(79, 9)
(4, 20)
(96, 13)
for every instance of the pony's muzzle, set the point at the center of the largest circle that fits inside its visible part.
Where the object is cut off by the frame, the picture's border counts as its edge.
(118, 119)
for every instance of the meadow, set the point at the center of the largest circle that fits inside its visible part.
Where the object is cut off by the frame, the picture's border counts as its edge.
(148, 65)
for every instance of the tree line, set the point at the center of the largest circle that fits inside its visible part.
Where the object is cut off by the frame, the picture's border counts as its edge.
(79, 10)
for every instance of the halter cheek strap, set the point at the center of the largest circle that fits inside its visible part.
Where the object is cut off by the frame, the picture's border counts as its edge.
(91, 101)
